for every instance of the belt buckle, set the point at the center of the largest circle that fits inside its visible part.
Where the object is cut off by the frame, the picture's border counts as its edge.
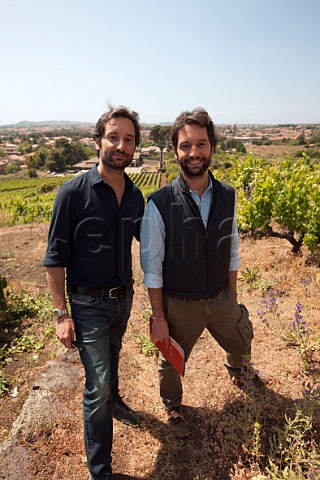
(110, 293)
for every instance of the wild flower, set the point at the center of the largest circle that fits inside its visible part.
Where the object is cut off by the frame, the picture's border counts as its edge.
(248, 375)
(264, 319)
(270, 306)
(306, 282)
(314, 474)
(299, 326)
(271, 301)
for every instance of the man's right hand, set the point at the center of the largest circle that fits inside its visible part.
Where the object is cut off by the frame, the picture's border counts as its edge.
(65, 330)
(160, 330)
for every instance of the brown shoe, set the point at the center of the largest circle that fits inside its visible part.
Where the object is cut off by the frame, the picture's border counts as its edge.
(177, 423)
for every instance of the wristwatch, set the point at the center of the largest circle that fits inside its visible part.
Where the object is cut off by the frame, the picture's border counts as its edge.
(57, 313)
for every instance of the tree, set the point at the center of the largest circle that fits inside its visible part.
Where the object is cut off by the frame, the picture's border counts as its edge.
(56, 160)
(25, 147)
(301, 140)
(78, 153)
(74, 152)
(160, 135)
(38, 159)
(233, 144)
(65, 154)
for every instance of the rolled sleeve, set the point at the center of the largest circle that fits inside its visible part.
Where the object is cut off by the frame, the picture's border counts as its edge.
(60, 232)
(152, 238)
(234, 253)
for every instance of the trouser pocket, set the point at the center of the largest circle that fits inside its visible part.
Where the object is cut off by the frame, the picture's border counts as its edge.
(245, 327)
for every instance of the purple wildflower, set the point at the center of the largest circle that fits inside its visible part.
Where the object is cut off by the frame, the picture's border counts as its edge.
(313, 474)
(306, 282)
(299, 326)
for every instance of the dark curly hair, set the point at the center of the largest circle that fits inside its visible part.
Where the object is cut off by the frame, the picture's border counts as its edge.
(197, 116)
(116, 112)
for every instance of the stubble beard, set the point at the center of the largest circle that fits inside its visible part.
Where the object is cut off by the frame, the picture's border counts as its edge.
(189, 172)
(108, 161)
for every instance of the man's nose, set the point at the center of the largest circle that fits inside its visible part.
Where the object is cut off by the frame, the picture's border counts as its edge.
(194, 151)
(121, 145)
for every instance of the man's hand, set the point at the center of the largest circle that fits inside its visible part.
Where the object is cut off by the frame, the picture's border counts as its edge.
(160, 330)
(65, 330)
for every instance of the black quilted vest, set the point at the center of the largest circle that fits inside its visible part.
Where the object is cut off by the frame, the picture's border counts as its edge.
(197, 259)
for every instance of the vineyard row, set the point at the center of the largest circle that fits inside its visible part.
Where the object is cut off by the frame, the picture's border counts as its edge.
(31, 200)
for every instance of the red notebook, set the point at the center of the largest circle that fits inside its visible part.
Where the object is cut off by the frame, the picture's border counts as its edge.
(174, 353)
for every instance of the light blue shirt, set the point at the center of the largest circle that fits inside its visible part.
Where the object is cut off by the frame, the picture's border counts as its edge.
(153, 234)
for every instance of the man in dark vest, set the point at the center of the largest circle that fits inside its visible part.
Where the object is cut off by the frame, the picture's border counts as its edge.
(189, 255)
(95, 217)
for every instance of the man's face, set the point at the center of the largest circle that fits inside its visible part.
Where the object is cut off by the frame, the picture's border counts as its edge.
(118, 144)
(194, 150)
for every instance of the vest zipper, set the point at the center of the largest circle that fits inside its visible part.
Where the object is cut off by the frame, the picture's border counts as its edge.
(206, 236)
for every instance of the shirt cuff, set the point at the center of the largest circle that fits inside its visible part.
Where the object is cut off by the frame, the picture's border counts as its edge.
(152, 280)
(54, 259)
(234, 265)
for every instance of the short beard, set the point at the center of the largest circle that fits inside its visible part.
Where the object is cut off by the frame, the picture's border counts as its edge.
(108, 161)
(198, 173)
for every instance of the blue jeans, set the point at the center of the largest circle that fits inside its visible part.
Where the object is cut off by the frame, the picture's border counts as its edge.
(100, 324)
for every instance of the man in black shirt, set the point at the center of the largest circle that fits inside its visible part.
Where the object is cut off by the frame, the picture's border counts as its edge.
(95, 217)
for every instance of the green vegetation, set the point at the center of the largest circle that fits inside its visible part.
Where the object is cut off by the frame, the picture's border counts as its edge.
(146, 346)
(31, 200)
(233, 144)
(20, 314)
(64, 154)
(160, 136)
(280, 200)
(287, 449)
(27, 200)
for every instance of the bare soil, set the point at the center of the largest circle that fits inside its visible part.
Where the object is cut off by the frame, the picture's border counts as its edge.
(41, 428)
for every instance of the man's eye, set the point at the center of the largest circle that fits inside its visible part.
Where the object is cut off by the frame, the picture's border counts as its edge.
(113, 138)
(185, 147)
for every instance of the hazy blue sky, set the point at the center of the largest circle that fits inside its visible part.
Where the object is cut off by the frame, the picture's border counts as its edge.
(245, 61)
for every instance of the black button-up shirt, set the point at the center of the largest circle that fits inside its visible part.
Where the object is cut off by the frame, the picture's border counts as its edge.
(90, 235)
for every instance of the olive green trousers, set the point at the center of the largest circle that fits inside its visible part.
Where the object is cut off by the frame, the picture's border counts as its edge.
(227, 321)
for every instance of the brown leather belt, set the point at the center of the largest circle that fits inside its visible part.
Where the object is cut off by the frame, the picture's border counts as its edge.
(100, 292)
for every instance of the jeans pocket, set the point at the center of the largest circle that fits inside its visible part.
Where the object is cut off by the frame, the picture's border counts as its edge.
(77, 299)
(244, 326)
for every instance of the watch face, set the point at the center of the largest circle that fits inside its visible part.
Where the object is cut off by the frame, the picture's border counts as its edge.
(57, 313)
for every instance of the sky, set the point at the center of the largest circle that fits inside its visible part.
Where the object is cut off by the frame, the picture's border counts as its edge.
(244, 61)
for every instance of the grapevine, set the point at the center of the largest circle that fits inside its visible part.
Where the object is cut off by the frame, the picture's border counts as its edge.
(24, 201)
(285, 195)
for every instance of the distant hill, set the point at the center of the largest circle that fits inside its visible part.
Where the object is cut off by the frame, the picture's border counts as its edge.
(46, 123)
(55, 124)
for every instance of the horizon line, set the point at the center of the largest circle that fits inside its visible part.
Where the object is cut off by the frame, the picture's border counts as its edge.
(21, 122)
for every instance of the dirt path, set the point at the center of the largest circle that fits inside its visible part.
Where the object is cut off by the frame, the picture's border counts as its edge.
(46, 439)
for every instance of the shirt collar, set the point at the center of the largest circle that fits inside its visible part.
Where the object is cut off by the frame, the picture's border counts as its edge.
(95, 177)
(210, 186)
